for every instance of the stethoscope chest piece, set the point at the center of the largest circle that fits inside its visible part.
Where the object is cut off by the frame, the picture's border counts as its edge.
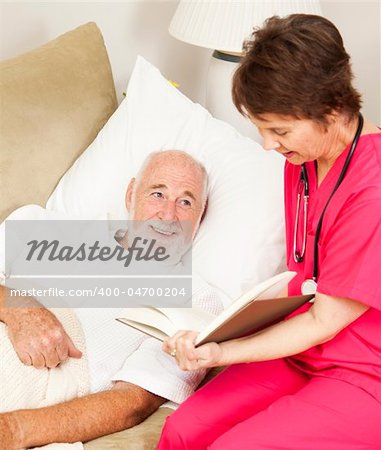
(309, 287)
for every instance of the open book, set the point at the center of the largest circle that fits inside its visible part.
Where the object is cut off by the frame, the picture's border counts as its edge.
(251, 312)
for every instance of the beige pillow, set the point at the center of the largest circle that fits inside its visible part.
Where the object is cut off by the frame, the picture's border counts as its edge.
(53, 102)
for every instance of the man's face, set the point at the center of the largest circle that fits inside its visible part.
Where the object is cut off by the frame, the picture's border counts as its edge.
(166, 204)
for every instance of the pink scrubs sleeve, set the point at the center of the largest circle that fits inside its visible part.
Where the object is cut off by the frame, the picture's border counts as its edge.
(350, 253)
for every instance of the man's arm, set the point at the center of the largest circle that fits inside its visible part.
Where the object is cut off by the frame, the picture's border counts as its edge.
(36, 334)
(80, 419)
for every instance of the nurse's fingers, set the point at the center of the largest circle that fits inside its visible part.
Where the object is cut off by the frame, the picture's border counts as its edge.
(174, 344)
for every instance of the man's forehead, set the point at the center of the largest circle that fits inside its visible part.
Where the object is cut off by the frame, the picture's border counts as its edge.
(173, 172)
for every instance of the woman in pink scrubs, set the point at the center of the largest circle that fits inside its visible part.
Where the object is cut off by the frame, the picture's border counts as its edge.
(313, 381)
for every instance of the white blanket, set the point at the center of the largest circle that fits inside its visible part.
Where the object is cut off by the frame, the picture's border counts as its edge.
(25, 387)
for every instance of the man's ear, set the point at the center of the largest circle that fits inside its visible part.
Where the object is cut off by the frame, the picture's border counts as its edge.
(129, 193)
(204, 210)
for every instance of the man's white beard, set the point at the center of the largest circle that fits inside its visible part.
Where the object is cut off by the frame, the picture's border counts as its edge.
(175, 237)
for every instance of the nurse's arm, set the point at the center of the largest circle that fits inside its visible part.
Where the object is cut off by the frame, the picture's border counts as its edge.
(322, 322)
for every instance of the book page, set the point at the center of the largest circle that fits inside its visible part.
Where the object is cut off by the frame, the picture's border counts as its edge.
(188, 318)
(151, 331)
(150, 317)
(162, 322)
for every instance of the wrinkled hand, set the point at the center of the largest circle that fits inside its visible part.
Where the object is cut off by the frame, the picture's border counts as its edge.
(188, 357)
(38, 338)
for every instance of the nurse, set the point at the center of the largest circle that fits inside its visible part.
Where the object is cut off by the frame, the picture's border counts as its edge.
(313, 381)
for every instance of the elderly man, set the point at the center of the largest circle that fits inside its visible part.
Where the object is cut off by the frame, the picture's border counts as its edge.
(130, 377)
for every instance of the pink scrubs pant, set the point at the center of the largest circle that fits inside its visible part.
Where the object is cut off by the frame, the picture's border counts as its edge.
(272, 405)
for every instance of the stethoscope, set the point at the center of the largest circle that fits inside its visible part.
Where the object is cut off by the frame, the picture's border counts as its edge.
(309, 286)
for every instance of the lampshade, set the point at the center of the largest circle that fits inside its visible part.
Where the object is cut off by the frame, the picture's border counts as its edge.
(225, 24)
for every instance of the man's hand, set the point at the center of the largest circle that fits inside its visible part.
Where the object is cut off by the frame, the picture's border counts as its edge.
(38, 337)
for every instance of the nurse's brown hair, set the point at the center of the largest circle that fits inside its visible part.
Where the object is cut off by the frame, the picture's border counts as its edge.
(296, 66)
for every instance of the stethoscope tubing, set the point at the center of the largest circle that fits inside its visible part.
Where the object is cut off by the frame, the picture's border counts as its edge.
(304, 178)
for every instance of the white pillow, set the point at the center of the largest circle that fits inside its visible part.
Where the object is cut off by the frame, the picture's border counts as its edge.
(241, 240)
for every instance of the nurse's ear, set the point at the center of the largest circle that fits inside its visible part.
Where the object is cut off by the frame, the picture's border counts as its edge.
(332, 119)
(334, 116)
(129, 194)
(339, 118)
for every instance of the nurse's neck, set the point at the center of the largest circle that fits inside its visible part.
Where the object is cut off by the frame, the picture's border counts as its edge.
(339, 134)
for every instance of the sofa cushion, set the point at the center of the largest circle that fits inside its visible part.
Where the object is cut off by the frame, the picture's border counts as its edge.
(144, 436)
(53, 102)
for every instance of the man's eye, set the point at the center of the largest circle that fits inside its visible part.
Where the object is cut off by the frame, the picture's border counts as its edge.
(157, 194)
(185, 203)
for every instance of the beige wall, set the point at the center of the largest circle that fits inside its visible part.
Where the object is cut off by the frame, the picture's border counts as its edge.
(140, 27)
(129, 29)
(359, 23)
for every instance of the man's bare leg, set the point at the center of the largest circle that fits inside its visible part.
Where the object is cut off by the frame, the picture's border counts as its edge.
(80, 419)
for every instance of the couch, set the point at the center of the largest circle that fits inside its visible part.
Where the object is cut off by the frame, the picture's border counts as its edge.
(54, 101)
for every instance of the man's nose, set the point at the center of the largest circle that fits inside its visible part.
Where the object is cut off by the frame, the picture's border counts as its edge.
(168, 211)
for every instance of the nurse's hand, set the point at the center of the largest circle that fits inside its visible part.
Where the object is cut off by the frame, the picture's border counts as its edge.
(188, 357)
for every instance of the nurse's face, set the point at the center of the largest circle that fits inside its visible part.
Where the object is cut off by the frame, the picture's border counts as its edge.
(298, 140)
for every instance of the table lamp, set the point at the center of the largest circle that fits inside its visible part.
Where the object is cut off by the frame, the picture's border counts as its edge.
(224, 26)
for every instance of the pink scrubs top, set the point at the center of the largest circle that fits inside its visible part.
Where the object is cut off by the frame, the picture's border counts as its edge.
(349, 261)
